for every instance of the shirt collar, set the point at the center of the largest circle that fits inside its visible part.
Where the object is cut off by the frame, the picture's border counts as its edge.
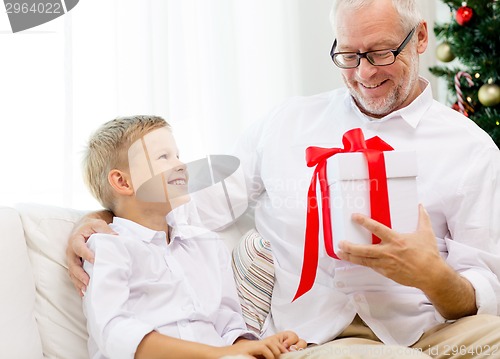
(135, 230)
(178, 224)
(411, 114)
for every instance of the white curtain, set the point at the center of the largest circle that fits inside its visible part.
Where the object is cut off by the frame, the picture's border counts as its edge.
(210, 67)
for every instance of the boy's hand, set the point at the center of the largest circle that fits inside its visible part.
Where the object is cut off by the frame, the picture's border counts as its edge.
(269, 348)
(78, 250)
(291, 340)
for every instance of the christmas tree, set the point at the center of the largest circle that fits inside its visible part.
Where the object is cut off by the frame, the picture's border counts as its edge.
(472, 38)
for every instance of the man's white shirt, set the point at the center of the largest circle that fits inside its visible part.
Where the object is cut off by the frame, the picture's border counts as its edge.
(458, 184)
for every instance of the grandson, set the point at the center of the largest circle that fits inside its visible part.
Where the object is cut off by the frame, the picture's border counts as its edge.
(156, 290)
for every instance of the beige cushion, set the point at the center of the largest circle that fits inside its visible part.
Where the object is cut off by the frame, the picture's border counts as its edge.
(254, 276)
(19, 336)
(58, 308)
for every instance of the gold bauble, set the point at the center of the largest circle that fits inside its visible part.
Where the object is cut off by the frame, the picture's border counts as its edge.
(444, 52)
(489, 94)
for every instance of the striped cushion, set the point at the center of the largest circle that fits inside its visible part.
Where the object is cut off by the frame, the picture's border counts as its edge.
(254, 276)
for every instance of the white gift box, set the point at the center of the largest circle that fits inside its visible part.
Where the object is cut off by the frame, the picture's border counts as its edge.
(349, 185)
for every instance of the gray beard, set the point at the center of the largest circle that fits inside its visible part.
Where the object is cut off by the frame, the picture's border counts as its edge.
(382, 107)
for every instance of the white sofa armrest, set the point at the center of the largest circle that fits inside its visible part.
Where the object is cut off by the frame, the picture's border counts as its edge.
(19, 336)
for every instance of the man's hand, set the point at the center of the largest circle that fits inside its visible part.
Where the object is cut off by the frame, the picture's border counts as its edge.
(413, 259)
(77, 250)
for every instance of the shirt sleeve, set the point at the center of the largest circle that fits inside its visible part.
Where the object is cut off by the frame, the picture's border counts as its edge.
(474, 224)
(111, 324)
(248, 150)
(229, 323)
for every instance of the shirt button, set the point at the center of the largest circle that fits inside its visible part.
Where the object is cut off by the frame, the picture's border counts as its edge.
(358, 298)
(339, 284)
(183, 323)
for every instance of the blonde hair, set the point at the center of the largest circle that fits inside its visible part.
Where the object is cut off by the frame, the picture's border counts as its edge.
(409, 14)
(107, 150)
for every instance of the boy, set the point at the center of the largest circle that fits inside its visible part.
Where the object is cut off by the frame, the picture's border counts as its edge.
(157, 288)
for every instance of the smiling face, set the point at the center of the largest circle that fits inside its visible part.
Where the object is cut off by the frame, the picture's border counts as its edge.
(379, 90)
(158, 176)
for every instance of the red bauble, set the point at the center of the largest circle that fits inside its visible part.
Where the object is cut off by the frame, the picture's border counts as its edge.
(464, 15)
(456, 108)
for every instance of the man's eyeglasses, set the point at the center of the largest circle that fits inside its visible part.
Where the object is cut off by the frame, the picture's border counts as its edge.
(351, 60)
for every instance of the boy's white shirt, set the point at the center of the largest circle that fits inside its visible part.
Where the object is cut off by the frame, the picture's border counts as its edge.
(139, 283)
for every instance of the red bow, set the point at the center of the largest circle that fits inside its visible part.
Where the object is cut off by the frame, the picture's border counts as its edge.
(353, 141)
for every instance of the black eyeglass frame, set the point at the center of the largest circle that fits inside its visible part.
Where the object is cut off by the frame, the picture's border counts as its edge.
(361, 55)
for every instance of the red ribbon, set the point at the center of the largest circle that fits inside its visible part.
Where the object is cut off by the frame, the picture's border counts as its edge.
(353, 141)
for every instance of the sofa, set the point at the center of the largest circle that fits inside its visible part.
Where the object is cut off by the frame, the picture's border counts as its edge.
(41, 314)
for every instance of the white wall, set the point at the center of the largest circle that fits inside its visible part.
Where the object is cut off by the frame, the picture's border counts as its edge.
(314, 37)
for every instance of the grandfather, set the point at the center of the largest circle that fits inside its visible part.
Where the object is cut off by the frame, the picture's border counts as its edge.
(438, 286)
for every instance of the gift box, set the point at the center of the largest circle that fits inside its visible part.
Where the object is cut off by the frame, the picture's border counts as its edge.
(350, 185)
(363, 176)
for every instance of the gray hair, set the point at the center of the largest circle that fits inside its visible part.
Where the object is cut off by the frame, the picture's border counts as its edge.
(409, 14)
